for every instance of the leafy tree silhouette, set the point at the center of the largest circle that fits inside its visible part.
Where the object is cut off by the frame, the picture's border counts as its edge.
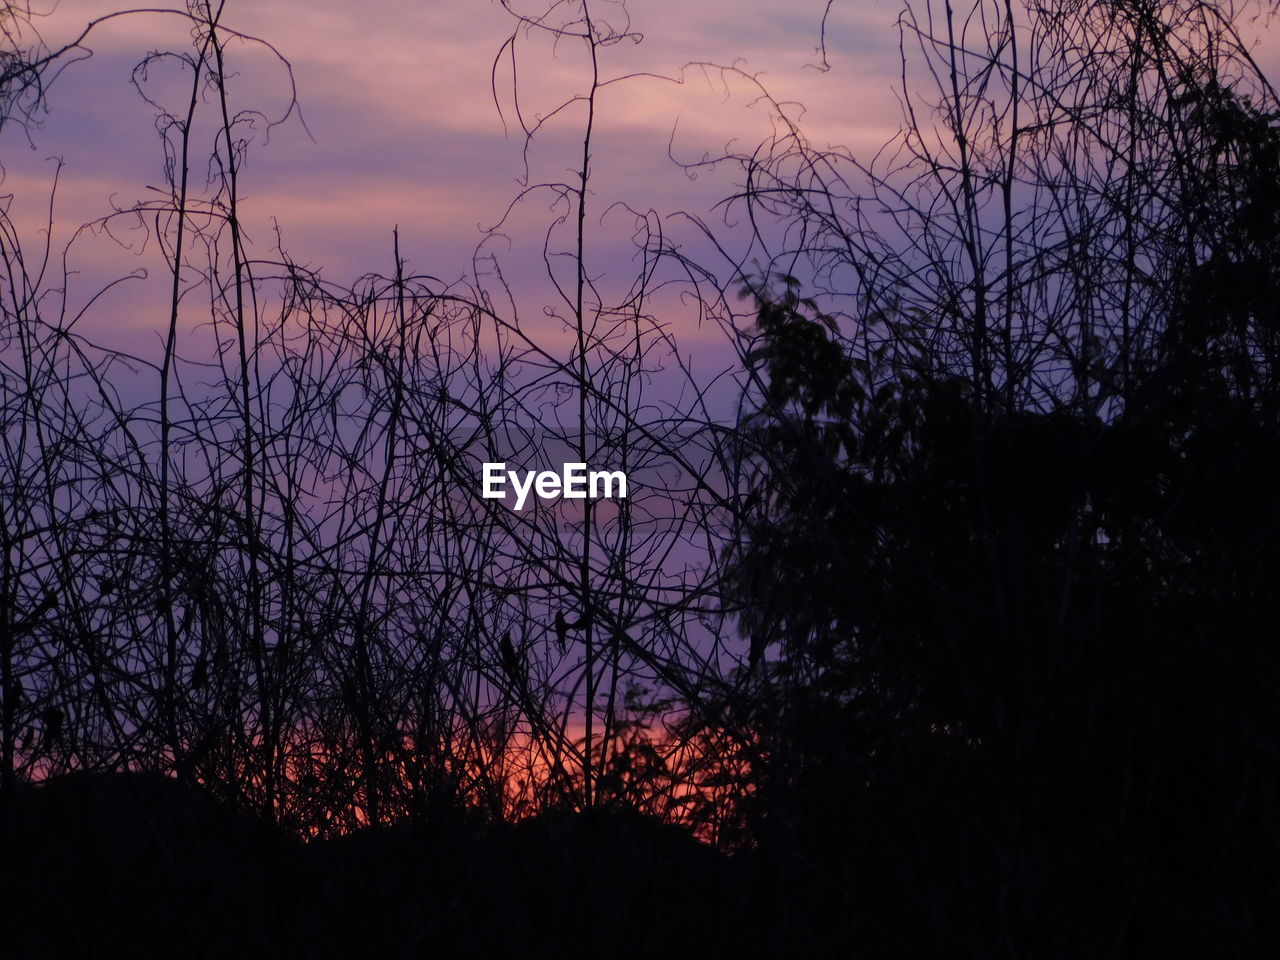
(1023, 692)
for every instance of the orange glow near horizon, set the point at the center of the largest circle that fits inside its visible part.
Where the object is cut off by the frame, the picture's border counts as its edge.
(524, 779)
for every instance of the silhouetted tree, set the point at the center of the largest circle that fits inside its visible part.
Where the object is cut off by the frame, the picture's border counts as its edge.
(1014, 675)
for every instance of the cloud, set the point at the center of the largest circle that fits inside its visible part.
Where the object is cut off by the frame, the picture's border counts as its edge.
(402, 130)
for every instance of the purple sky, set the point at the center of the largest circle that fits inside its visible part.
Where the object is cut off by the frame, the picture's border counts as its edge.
(397, 97)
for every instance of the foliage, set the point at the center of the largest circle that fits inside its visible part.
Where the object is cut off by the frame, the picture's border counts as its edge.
(1024, 677)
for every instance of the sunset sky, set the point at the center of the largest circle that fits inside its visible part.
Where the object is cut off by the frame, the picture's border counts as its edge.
(397, 99)
(401, 129)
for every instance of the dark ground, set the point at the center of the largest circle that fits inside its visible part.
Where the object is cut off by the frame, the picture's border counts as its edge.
(136, 865)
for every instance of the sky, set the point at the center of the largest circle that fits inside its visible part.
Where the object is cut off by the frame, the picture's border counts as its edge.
(397, 128)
